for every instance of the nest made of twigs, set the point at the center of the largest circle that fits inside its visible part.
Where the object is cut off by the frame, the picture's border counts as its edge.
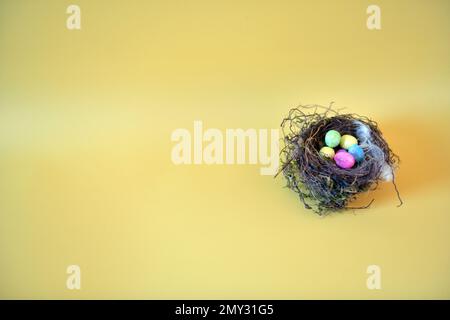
(321, 185)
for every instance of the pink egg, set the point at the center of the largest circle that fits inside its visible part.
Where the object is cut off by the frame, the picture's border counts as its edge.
(344, 159)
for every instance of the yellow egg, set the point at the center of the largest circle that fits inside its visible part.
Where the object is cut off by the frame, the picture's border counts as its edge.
(327, 152)
(347, 141)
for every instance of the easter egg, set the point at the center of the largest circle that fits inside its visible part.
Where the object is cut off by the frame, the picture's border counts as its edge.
(332, 138)
(344, 160)
(327, 152)
(357, 152)
(347, 141)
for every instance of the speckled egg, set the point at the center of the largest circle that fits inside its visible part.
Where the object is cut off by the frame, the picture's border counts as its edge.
(327, 152)
(347, 141)
(357, 152)
(344, 160)
(332, 138)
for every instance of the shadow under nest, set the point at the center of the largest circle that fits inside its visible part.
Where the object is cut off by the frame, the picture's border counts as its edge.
(321, 185)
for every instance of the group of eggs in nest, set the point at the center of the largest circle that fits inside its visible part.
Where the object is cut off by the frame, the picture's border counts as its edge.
(348, 154)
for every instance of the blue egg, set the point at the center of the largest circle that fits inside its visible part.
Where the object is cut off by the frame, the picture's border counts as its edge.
(357, 152)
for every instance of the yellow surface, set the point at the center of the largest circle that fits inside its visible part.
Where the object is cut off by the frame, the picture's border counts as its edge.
(86, 176)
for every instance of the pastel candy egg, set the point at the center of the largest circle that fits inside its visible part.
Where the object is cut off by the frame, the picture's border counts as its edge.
(327, 152)
(344, 160)
(357, 152)
(347, 141)
(332, 138)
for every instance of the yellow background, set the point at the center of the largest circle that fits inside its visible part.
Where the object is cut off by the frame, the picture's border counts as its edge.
(86, 176)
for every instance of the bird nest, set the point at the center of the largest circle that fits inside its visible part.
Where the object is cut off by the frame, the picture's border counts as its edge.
(321, 185)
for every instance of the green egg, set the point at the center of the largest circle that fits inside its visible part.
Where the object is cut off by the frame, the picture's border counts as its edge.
(332, 138)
